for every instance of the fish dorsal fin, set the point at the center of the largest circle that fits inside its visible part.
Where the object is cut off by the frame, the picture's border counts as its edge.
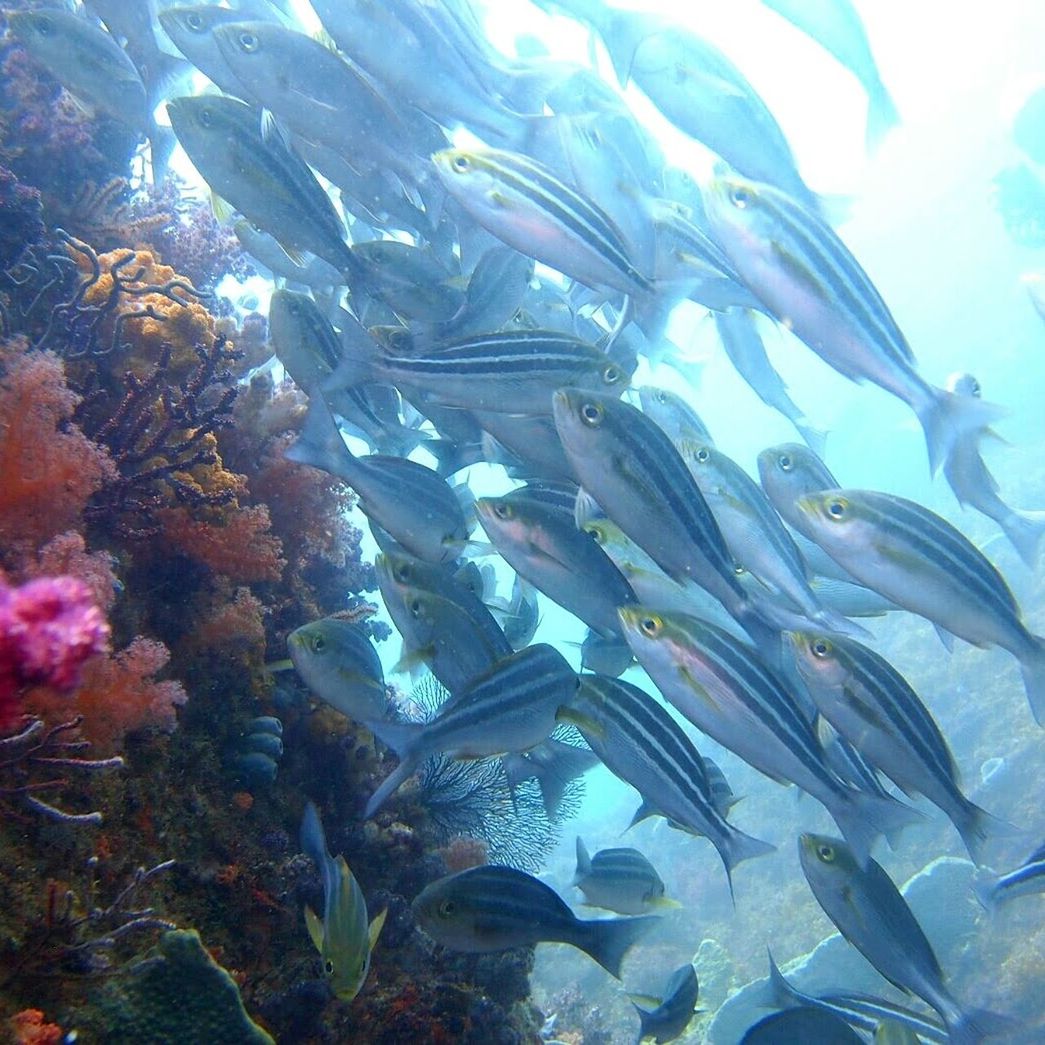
(315, 928)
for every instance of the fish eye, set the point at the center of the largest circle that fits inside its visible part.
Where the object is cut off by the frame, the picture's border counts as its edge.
(447, 908)
(318, 643)
(194, 20)
(785, 462)
(415, 608)
(611, 375)
(597, 532)
(703, 455)
(739, 197)
(826, 853)
(591, 414)
(249, 42)
(820, 647)
(974, 388)
(44, 26)
(502, 510)
(837, 508)
(460, 163)
(650, 626)
(661, 397)
(328, 966)
(738, 569)
(402, 573)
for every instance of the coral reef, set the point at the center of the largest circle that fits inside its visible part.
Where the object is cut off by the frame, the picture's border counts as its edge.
(178, 992)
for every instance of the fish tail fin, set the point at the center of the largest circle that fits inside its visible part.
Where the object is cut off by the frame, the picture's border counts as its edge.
(389, 786)
(313, 840)
(320, 444)
(815, 438)
(1025, 530)
(607, 941)
(583, 861)
(738, 848)
(985, 886)
(1032, 667)
(834, 621)
(862, 817)
(978, 828)
(882, 115)
(978, 1025)
(947, 416)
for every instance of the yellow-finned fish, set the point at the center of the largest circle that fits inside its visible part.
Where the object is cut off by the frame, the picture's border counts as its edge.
(343, 937)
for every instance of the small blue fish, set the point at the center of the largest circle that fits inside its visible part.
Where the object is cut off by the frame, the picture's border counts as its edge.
(1029, 877)
(343, 938)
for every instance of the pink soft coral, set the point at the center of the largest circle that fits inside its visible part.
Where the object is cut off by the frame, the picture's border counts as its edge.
(49, 629)
(119, 695)
(50, 467)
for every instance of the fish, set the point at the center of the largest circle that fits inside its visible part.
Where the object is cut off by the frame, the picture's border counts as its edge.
(863, 1012)
(520, 615)
(801, 1024)
(873, 916)
(511, 708)
(342, 936)
(314, 272)
(674, 1012)
(558, 559)
(639, 742)
(918, 560)
(836, 26)
(722, 686)
(554, 764)
(674, 414)
(620, 880)
(754, 534)
(811, 283)
(738, 331)
(525, 205)
(510, 371)
(410, 280)
(260, 176)
(493, 908)
(787, 472)
(340, 666)
(630, 466)
(993, 890)
(409, 501)
(973, 484)
(444, 635)
(872, 705)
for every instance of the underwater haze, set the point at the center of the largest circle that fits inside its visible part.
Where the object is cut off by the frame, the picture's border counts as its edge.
(522, 522)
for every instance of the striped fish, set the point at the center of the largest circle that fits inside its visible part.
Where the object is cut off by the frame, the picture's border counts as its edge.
(863, 1012)
(871, 704)
(631, 467)
(557, 559)
(789, 471)
(525, 205)
(924, 564)
(725, 690)
(512, 371)
(754, 533)
(493, 908)
(1029, 877)
(260, 176)
(511, 708)
(411, 502)
(642, 744)
(809, 280)
(620, 880)
(678, 419)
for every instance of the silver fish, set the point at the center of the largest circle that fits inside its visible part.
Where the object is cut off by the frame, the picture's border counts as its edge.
(620, 880)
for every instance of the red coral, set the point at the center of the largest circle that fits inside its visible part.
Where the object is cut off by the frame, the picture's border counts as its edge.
(240, 546)
(67, 554)
(118, 696)
(50, 467)
(49, 629)
(232, 624)
(28, 1028)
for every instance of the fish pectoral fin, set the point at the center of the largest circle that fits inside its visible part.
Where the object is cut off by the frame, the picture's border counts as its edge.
(498, 199)
(375, 928)
(865, 710)
(315, 928)
(698, 689)
(665, 903)
(221, 209)
(649, 1001)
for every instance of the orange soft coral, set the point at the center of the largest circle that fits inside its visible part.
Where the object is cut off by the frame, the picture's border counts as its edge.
(240, 546)
(67, 554)
(118, 696)
(28, 1028)
(232, 625)
(49, 467)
